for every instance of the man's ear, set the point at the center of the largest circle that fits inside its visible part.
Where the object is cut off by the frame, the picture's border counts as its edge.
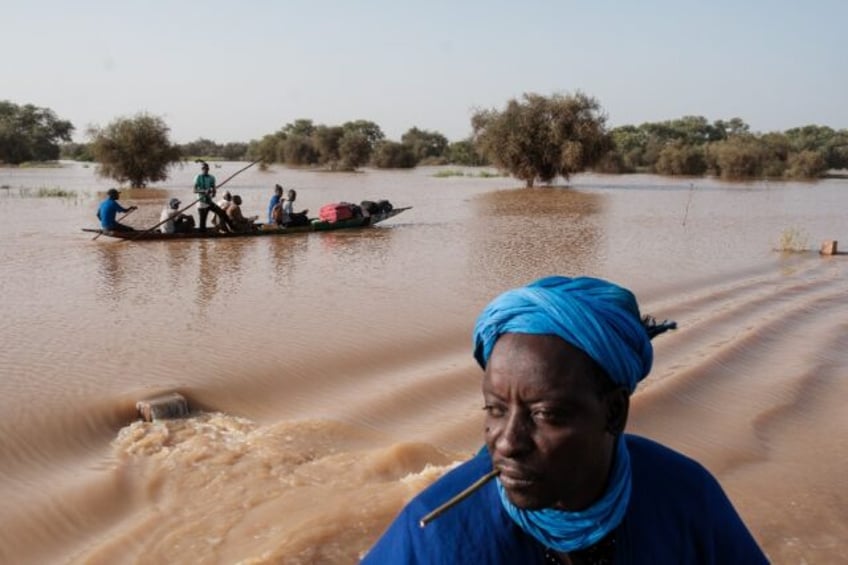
(618, 406)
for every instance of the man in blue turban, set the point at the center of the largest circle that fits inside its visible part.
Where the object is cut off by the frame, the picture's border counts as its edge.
(561, 358)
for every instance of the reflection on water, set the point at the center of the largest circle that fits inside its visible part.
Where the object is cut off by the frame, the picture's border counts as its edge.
(285, 256)
(218, 268)
(177, 258)
(334, 369)
(522, 233)
(110, 273)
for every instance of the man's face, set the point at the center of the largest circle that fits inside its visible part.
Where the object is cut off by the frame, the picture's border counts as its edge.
(547, 423)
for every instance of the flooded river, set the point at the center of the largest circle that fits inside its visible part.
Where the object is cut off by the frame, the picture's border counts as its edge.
(331, 376)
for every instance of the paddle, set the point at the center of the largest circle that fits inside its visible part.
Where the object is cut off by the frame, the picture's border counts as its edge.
(228, 179)
(119, 220)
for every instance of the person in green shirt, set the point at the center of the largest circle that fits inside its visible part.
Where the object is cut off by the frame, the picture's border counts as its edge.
(204, 187)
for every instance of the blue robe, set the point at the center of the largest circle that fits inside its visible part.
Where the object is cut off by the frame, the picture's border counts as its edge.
(678, 513)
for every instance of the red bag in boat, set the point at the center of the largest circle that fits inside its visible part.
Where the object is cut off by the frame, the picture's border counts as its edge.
(335, 212)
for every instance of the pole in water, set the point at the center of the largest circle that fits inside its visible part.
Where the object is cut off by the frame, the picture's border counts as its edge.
(458, 498)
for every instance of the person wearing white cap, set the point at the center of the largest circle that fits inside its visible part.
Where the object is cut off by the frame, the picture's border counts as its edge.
(173, 221)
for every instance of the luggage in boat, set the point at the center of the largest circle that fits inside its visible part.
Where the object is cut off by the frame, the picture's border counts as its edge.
(336, 212)
(378, 207)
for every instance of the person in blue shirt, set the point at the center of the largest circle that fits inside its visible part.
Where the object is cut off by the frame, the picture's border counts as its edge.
(108, 210)
(275, 205)
(559, 480)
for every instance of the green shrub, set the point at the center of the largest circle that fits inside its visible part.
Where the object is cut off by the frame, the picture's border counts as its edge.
(679, 158)
(135, 150)
(393, 155)
(444, 173)
(46, 192)
(806, 165)
(464, 153)
(738, 157)
(30, 133)
(541, 138)
(299, 150)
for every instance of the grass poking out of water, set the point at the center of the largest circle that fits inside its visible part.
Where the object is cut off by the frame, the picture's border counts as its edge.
(445, 173)
(40, 165)
(46, 192)
(793, 239)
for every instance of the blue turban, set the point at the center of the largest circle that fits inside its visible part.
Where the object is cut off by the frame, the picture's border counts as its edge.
(598, 317)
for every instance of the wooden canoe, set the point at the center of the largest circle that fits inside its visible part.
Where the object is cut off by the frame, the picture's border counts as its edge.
(261, 230)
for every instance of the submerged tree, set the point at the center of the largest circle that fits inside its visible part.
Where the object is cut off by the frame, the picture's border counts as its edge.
(738, 157)
(393, 155)
(30, 133)
(355, 150)
(326, 140)
(542, 138)
(806, 164)
(681, 158)
(75, 151)
(463, 152)
(370, 130)
(425, 144)
(134, 150)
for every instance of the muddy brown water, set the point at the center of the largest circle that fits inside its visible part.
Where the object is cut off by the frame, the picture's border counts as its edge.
(331, 374)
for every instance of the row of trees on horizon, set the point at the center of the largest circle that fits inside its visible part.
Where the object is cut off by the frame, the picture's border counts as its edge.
(303, 143)
(534, 138)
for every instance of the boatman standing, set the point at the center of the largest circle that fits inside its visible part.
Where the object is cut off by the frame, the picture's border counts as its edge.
(109, 208)
(204, 187)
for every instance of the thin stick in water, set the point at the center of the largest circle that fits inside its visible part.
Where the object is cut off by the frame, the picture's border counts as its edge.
(458, 498)
(688, 202)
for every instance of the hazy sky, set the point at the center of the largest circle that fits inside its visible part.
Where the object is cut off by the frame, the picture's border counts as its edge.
(237, 70)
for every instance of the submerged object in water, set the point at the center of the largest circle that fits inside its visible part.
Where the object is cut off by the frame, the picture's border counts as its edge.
(163, 407)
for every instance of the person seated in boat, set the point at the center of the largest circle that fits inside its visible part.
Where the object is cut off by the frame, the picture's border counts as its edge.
(224, 203)
(283, 213)
(558, 480)
(108, 210)
(277, 216)
(275, 205)
(239, 222)
(174, 221)
(290, 217)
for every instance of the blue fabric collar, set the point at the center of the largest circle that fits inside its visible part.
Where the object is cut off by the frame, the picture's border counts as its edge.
(572, 531)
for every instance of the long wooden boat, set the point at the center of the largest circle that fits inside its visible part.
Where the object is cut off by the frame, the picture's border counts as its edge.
(260, 230)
